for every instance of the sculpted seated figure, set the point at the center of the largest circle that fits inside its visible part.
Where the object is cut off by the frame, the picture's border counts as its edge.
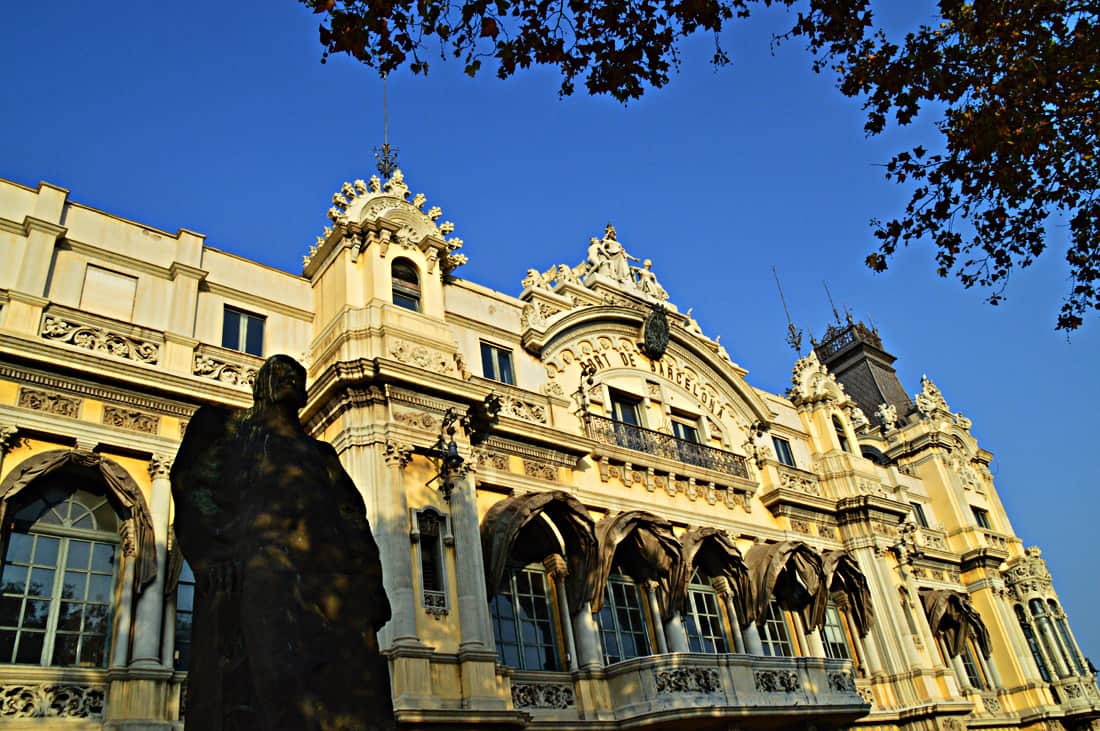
(289, 589)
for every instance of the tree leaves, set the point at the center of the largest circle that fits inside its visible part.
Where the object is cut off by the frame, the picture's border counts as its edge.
(1017, 83)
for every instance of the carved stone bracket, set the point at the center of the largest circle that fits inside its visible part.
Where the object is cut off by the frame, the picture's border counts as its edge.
(543, 695)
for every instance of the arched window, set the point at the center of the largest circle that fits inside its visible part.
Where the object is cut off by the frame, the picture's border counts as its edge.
(621, 620)
(60, 566)
(406, 284)
(833, 635)
(185, 609)
(1073, 659)
(705, 629)
(522, 623)
(1032, 643)
(974, 673)
(775, 637)
(840, 435)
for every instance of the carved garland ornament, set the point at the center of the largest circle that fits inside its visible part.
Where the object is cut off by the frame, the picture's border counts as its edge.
(542, 695)
(841, 682)
(776, 681)
(422, 357)
(688, 680)
(99, 340)
(51, 403)
(219, 370)
(130, 419)
(50, 701)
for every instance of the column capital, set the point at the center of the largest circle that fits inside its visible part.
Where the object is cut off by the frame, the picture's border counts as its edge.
(160, 466)
(721, 584)
(555, 566)
(397, 454)
(8, 438)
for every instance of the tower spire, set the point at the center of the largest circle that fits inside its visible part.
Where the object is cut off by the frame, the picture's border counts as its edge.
(836, 315)
(385, 156)
(794, 335)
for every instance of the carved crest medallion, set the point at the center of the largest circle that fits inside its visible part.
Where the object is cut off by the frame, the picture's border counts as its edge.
(655, 332)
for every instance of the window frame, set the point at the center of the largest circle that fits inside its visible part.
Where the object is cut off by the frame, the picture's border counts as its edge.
(783, 454)
(610, 614)
(919, 516)
(839, 633)
(981, 517)
(406, 293)
(430, 548)
(492, 358)
(775, 633)
(181, 654)
(841, 434)
(245, 324)
(509, 593)
(699, 640)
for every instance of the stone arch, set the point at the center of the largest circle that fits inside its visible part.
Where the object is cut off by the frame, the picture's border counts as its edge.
(570, 528)
(792, 573)
(652, 553)
(120, 486)
(715, 552)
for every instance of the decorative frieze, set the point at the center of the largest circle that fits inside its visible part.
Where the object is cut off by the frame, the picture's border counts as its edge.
(841, 682)
(540, 470)
(50, 701)
(99, 340)
(799, 481)
(422, 356)
(688, 680)
(523, 410)
(776, 681)
(51, 403)
(543, 695)
(215, 369)
(131, 419)
(417, 420)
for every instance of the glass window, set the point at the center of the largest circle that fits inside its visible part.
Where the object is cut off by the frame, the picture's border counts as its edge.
(621, 621)
(1073, 660)
(185, 611)
(625, 410)
(704, 620)
(783, 451)
(833, 635)
(970, 665)
(918, 514)
(522, 623)
(406, 285)
(1032, 643)
(242, 331)
(683, 429)
(58, 581)
(981, 517)
(496, 363)
(429, 524)
(774, 635)
(840, 435)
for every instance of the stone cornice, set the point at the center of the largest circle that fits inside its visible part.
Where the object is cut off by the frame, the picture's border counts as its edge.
(30, 223)
(270, 305)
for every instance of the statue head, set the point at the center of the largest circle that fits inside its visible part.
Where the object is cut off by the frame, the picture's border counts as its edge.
(280, 379)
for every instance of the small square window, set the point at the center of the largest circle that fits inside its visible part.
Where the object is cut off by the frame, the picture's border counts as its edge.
(783, 451)
(685, 429)
(496, 363)
(981, 517)
(243, 331)
(918, 514)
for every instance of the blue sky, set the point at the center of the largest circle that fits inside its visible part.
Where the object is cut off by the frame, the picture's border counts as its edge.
(218, 117)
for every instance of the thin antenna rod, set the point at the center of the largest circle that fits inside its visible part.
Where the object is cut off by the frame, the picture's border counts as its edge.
(385, 156)
(385, 116)
(836, 315)
(794, 335)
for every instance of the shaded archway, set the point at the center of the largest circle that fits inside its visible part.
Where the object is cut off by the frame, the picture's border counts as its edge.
(715, 553)
(848, 589)
(650, 552)
(522, 514)
(120, 487)
(793, 574)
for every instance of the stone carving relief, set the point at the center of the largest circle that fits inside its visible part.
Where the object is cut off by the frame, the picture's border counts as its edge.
(397, 454)
(931, 404)
(812, 383)
(542, 695)
(99, 340)
(540, 469)
(51, 403)
(859, 419)
(776, 681)
(992, 704)
(688, 680)
(799, 481)
(524, 410)
(422, 356)
(841, 682)
(417, 419)
(9, 438)
(50, 701)
(215, 369)
(130, 419)
(887, 416)
(160, 466)
(1028, 576)
(483, 458)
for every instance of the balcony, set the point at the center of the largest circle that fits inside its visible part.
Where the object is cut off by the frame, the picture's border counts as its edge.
(616, 433)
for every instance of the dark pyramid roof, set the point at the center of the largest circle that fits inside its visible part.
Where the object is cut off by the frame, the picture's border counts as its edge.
(853, 353)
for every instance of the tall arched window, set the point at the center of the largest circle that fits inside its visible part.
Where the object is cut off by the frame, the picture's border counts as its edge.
(775, 637)
(60, 565)
(522, 620)
(705, 629)
(406, 284)
(1032, 643)
(840, 435)
(622, 620)
(833, 635)
(1073, 659)
(185, 610)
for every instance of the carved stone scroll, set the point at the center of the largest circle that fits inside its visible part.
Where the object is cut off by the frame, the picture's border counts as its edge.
(99, 340)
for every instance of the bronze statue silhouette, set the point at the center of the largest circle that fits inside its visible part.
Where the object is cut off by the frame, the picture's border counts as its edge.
(289, 589)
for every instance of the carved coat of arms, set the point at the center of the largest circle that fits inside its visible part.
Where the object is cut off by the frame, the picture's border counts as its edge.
(655, 332)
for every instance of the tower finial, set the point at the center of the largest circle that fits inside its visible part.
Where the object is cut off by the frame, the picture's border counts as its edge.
(836, 315)
(385, 156)
(794, 335)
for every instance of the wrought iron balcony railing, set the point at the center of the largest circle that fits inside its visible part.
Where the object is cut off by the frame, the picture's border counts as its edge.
(609, 431)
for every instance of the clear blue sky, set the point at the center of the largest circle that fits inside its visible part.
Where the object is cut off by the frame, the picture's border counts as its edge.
(218, 117)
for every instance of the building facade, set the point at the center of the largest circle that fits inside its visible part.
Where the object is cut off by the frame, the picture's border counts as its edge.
(642, 538)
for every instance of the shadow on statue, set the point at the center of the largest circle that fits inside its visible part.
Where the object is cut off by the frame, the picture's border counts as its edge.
(289, 592)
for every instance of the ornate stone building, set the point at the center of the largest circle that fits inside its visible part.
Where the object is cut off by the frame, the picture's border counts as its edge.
(643, 539)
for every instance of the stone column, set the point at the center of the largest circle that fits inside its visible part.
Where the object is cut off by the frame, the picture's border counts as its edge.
(475, 623)
(800, 634)
(870, 646)
(150, 608)
(389, 525)
(676, 634)
(168, 635)
(814, 645)
(1050, 640)
(587, 634)
(960, 673)
(722, 585)
(558, 570)
(120, 650)
(649, 588)
(990, 671)
(752, 640)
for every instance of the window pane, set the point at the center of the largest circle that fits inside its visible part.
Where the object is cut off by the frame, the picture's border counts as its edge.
(73, 585)
(15, 579)
(231, 329)
(7, 645)
(505, 367)
(68, 619)
(30, 647)
(41, 582)
(78, 554)
(19, 549)
(45, 551)
(254, 335)
(99, 588)
(64, 649)
(92, 649)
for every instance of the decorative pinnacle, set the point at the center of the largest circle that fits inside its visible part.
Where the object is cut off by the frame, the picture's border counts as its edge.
(794, 335)
(385, 156)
